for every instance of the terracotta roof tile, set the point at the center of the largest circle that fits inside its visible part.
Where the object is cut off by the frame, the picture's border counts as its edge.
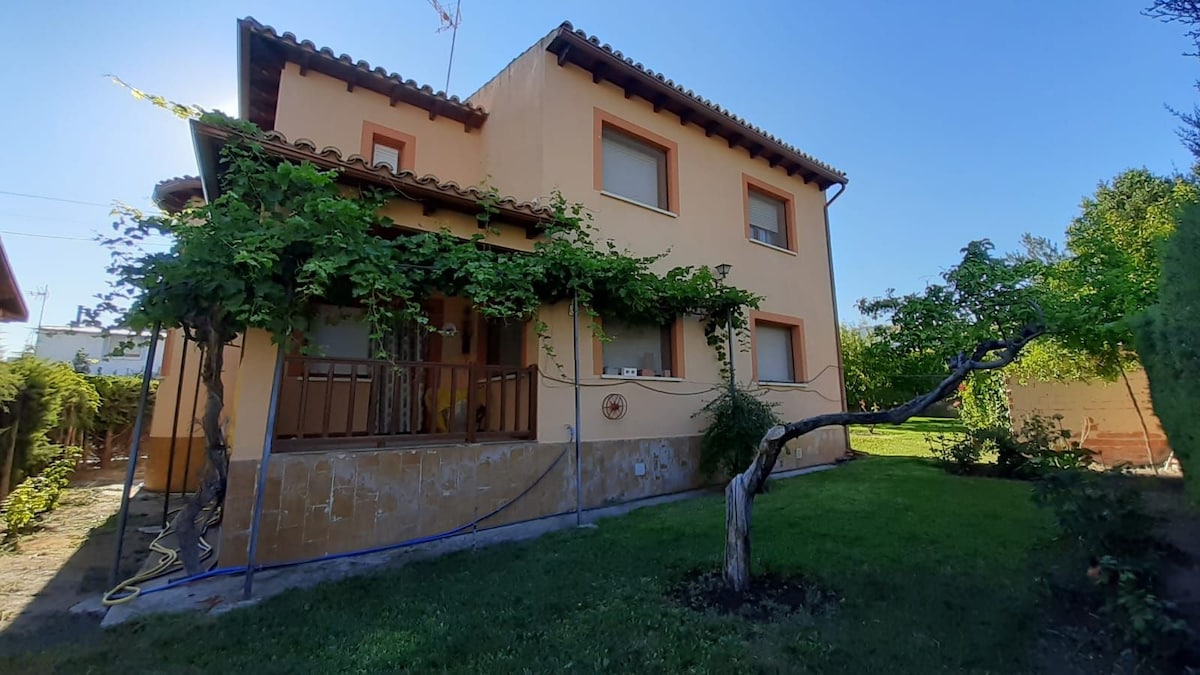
(567, 34)
(344, 67)
(407, 183)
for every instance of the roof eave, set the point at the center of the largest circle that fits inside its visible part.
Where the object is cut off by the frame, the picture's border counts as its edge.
(208, 139)
(604, 64)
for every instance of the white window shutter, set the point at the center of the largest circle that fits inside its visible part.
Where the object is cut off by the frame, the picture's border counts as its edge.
(767, 220)
(385, 154)
(633, 170)
(773, 347)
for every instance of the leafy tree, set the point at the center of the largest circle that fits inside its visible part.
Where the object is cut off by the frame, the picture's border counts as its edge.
(978, 319)
(81, 363)
(1111, 268)
(879, 374)
(1170, 349)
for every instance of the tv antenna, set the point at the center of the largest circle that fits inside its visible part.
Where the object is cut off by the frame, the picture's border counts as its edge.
(448, 22)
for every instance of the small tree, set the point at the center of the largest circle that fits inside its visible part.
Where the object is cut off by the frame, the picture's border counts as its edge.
(981, 317)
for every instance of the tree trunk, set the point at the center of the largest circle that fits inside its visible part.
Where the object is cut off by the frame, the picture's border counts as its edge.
(737, 534)
(1141, 419)
(106, 456)
(216, 470)
(740, 493)
(10, 458)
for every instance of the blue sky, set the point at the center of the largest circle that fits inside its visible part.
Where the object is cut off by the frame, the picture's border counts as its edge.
(954, 120)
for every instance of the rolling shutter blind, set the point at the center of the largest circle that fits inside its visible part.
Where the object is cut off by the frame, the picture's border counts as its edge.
(385, 154)
(634, 170)
(774, 354)
(767, 220)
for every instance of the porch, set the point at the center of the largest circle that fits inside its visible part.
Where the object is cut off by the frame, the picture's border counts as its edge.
(339, 403)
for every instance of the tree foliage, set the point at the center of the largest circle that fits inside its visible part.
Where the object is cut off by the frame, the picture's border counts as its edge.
(1111, 268)
(878, 375)
(1168, 340)
(737, 420)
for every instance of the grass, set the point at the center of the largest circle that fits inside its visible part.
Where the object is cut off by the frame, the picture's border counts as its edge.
(932, 571)
(906, 440)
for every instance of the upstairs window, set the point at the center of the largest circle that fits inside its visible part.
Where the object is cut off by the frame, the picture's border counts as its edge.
(634, 169)
(768, 219)
(386, 154)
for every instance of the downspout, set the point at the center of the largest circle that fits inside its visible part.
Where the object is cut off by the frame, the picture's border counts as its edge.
(837, 323)
(578, 415)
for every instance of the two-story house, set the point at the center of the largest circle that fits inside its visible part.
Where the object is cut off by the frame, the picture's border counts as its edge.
(480, 418)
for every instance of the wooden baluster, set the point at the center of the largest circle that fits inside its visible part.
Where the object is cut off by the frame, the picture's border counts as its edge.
(350, 414)
(300, 416)
(472, 385)
(328, 400)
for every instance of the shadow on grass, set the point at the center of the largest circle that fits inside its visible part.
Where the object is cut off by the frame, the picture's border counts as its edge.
(46, 622)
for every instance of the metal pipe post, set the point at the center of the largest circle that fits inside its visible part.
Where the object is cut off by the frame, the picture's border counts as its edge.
(135, 446)
(578, 415)
(729, 331)
(256, 518)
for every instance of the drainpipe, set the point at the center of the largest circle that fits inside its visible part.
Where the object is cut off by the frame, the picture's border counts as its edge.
(837, 323)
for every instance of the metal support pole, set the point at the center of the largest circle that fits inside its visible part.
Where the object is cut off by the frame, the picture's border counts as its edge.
(578, 436)
(268, 440)
(135, 446)
(729, 330)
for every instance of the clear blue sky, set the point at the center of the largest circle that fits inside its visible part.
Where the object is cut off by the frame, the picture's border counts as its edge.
(954, 120)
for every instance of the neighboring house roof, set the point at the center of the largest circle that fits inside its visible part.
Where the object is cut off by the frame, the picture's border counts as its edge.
(173, 194)
(428, 189)
(12, 303)
(89, 330)
(575, 46)
(262, 53)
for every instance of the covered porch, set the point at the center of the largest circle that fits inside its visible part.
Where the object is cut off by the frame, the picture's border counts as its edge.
(469, 380)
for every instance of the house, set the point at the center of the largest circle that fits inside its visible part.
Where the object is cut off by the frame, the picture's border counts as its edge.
(479, 417)
(12, 303)
(108, 351)
(1105, 417)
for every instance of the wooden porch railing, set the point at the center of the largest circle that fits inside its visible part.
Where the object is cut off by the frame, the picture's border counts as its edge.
(366, 403)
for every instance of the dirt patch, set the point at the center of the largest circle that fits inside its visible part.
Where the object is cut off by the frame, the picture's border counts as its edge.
(770, 596)
(68, 560)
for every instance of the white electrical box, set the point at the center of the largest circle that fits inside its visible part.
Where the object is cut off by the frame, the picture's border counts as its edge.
(629, 372)
(639, 469)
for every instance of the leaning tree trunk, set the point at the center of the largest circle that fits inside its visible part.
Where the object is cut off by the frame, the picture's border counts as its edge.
(740, 493)
(211, 490)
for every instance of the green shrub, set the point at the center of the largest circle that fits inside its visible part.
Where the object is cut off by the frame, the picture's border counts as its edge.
(982, 401)
(1099, 513)
(39, 494)
(958, 453)
(46, 402)
(737, 421)
(1167, 343)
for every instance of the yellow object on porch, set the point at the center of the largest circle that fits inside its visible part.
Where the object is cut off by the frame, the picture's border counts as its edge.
(449, 413)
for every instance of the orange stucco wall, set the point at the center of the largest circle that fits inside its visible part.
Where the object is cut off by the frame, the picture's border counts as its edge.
(540, 137)
(175, 419)
(1099, 414)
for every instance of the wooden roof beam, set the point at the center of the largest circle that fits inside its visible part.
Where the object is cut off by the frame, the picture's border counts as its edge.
(562, 56)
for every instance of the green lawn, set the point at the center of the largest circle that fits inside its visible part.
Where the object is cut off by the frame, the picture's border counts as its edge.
(932, 570)
(906, 440)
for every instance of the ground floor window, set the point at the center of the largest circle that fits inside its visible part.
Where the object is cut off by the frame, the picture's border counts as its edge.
(644, 348)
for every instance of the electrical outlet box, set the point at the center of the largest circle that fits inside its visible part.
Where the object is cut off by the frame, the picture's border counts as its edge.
(629, 372)
(639, 469)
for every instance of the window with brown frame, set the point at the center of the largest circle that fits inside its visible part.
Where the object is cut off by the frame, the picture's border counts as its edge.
(387, 152)
(778, 343)
(634, 169)
(646, 348)
(768, 219)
